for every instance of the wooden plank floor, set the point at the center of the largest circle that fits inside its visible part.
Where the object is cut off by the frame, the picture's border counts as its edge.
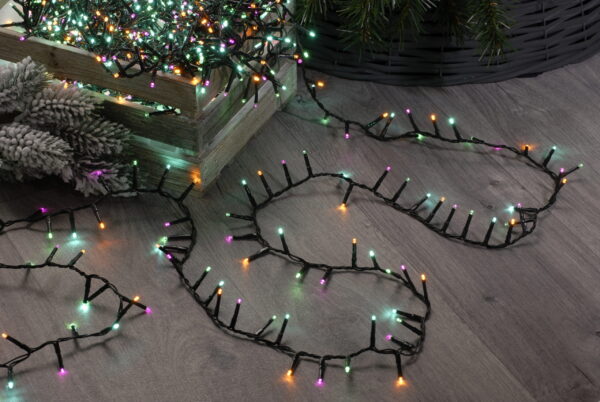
(510, 325)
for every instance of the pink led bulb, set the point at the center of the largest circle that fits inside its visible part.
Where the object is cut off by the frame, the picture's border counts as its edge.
(228, 238)
(148, 310)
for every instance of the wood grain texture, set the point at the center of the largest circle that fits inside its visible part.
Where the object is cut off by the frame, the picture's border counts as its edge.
(519, 324)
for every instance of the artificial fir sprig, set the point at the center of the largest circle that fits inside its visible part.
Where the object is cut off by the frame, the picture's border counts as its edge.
(361, 16)
(27, 151)
(51, 129)
(453, 17)
(408, 16)
(490, 21)
(19, 83)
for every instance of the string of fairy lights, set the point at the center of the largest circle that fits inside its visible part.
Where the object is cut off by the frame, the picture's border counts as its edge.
(178, 248)
(414, 322)
(193, 39)
(178, 254)
(91, 281)
(517, 229)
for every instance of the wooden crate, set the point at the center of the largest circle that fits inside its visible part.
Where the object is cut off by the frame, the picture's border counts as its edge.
(199, 142)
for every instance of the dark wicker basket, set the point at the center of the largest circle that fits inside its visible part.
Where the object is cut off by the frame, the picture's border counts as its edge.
(545, 35)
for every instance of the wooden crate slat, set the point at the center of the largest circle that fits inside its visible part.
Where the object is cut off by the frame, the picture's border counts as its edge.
(179, 131)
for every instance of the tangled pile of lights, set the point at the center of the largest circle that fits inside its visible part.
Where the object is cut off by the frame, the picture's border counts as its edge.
(187, 38)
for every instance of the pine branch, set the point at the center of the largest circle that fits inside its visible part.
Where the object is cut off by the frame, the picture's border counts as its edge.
(18, 83)
(409, 16)
(53, 130)
(453, 16)
(57, 105)
(365, 20)
(374, 23)
(93, 176)
(489, 21)
(309, 9)
(29, 148)
(94, 136)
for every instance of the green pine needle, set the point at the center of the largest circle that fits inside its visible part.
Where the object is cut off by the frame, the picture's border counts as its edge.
(489, 22)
